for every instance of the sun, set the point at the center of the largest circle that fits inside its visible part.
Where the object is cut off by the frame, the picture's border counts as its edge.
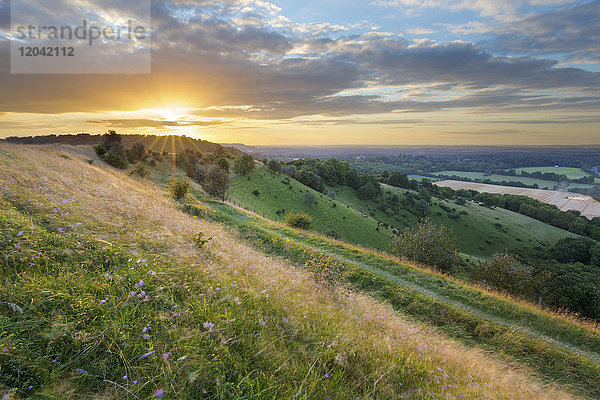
(172, 114)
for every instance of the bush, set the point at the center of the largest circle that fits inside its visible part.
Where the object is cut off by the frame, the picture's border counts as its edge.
(299, 220)
(200, 241)
(140, 170)
(216, 183)
(310, 198)
(332, 233)
(179, 188)
(136, 153)
(505, 272)
(428, 244)
(325, 271)
(243, 165)
(255, 192)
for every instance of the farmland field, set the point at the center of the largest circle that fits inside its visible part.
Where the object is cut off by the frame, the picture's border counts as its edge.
(571, 173)
(563, 200)
(543, 184)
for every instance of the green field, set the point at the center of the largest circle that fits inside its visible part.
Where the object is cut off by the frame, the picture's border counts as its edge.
(571, 173)
(542, 184)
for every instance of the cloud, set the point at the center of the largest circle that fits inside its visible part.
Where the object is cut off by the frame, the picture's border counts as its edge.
(150, 123)
(243, 68)
(502, 10)
(574, 31)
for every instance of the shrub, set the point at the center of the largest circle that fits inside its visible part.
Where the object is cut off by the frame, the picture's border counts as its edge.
(216, 183)
(255, 192)
(179, 187)
(140, 170)
(200, 241)
(115, 156)
(136, 153)
(428, 244)
(310, 198)
(243, 165)
(325, 270)
(299, 220)
(504, 272)
(332, 233)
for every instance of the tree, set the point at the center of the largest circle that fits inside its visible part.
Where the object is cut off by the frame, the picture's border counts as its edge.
(571, 250)
(369, 191)
(428, 244)
(111, 150)
(216, 183)
(422, 207)
(136, 153)
(310, 198)
(399, 180)
(274, 165)
(243, 165)
(222, 163)
(505, 272)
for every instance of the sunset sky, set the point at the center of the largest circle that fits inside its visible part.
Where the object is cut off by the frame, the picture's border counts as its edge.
(329, 72)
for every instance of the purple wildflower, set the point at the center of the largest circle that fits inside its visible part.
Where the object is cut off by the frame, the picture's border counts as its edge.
(166, 356)
(146, 355)
(158, 393)
(81, 371)
(209, 326)
(124, 377)
(19, 234)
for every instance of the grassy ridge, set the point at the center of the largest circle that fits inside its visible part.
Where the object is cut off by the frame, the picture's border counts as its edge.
(276, 194)
(557, 348)
(222, 322)
(481, 232)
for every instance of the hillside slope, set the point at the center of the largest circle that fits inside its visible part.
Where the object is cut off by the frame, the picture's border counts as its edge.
(105, 295)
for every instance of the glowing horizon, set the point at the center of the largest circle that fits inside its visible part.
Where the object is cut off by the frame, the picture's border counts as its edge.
(387, 73)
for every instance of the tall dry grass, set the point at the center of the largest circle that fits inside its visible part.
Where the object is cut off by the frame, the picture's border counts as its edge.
(116, 208)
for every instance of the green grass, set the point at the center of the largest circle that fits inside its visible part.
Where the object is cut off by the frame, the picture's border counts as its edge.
(571, 173)
(542, 184)
(481, 232)
(76, 240)
(328, 214)
(69, 326)
(556, 348)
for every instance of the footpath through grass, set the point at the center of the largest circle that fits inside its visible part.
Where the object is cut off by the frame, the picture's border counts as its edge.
(558, 349)
(103, 294)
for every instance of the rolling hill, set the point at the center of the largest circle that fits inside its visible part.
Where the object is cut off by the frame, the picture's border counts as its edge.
(480, 231)
(106, 294)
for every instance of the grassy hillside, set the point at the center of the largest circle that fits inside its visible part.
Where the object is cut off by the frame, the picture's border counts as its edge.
(104, 294)
(479, 232)
(277, 192)
(551, 345)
